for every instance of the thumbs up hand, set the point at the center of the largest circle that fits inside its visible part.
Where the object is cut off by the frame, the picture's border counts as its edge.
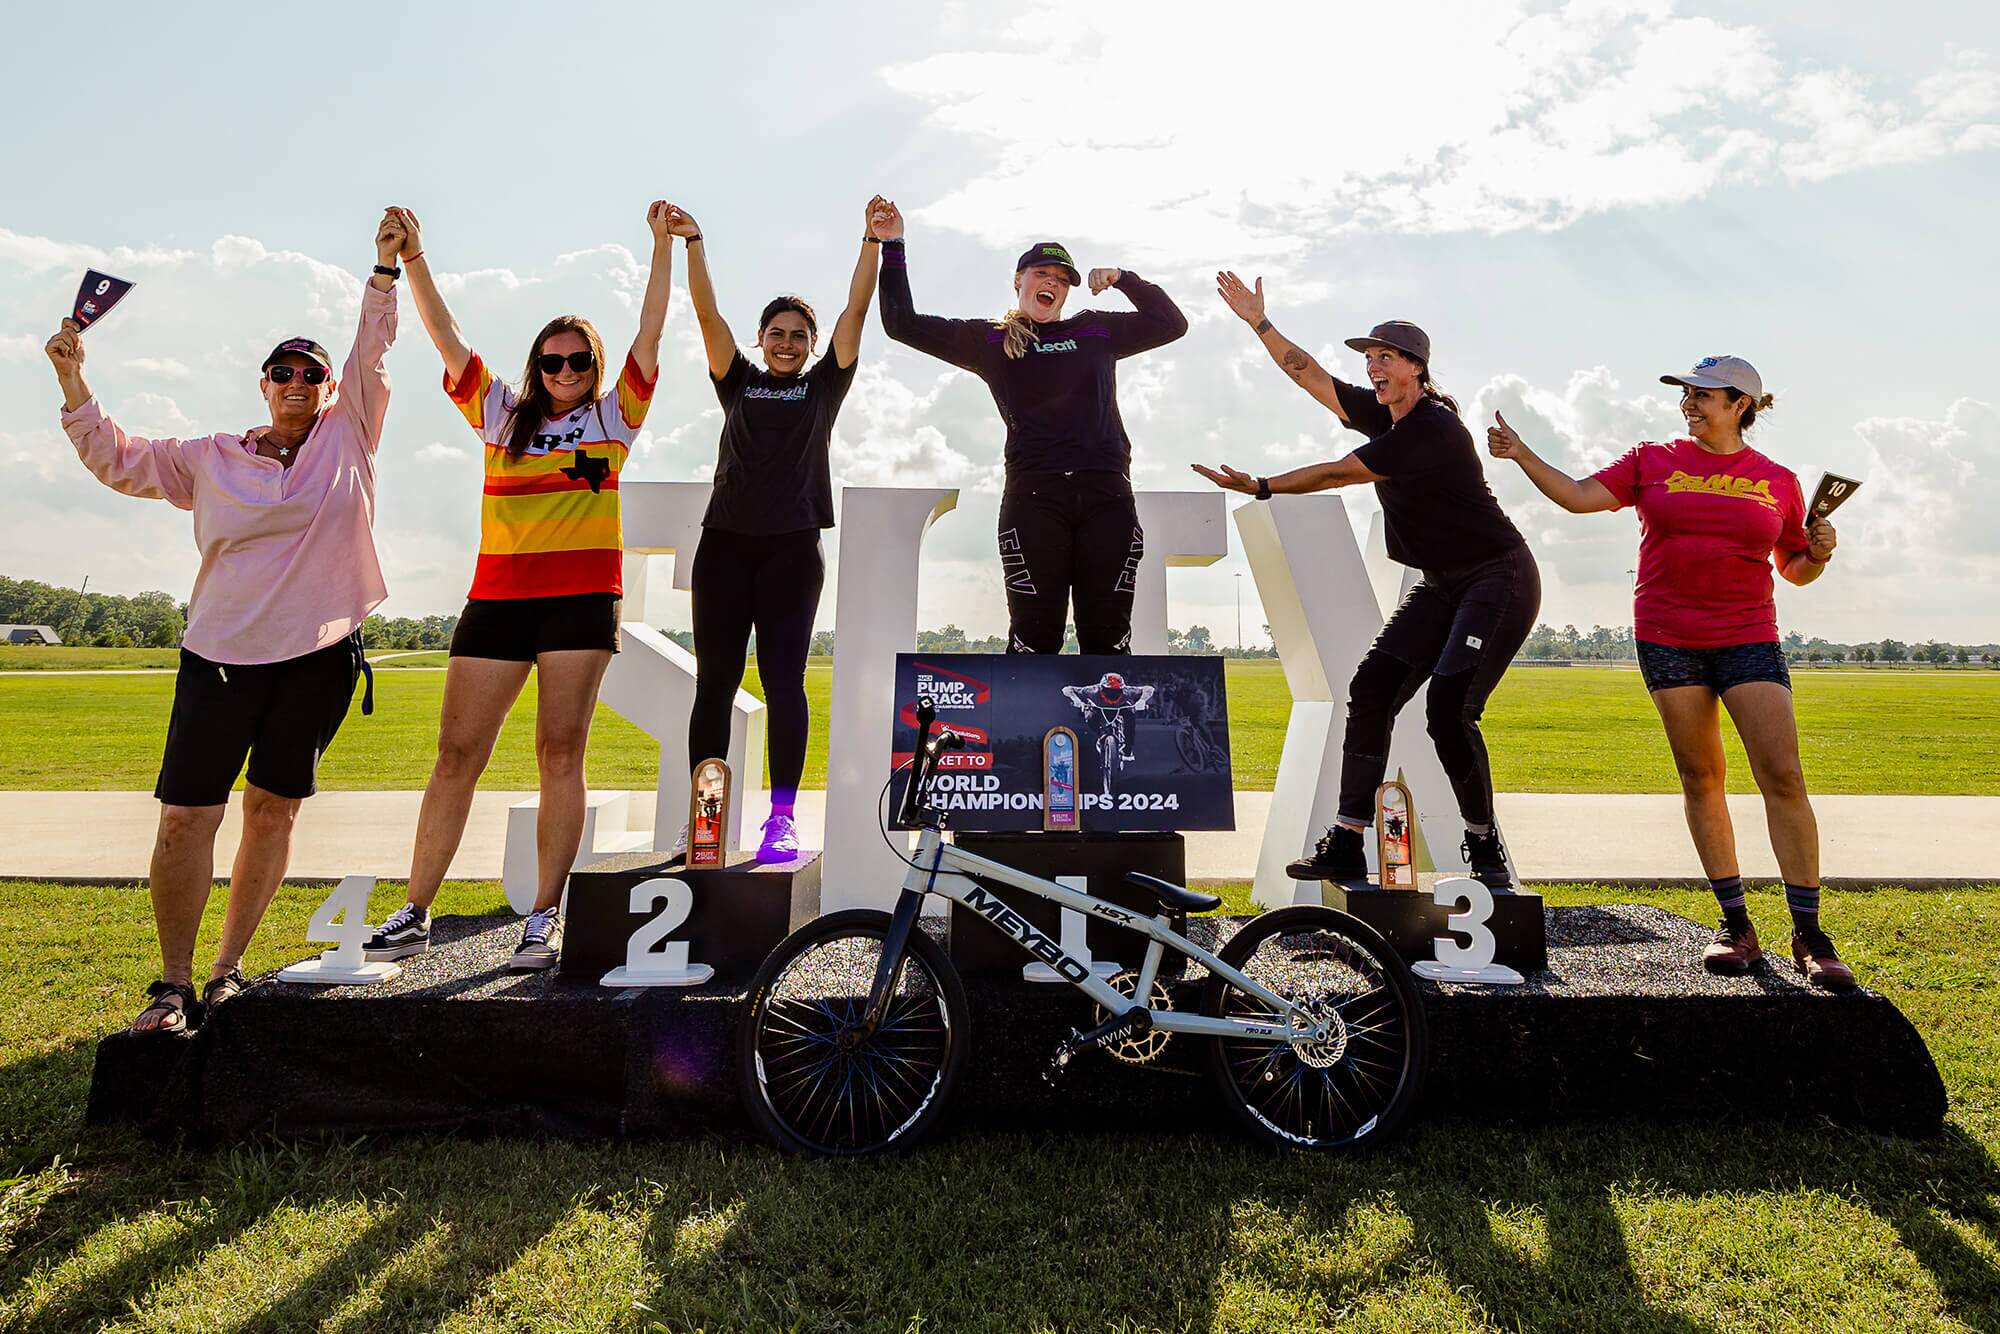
(1502, 442)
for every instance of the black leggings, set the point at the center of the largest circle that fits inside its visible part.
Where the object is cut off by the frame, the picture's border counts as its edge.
(772, 584)
(1457, 629)
(1063, 536)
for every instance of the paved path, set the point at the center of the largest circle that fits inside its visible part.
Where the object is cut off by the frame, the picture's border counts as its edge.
(110, 834)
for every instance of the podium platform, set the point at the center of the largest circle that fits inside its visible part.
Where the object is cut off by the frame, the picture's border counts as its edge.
(1622, 1024)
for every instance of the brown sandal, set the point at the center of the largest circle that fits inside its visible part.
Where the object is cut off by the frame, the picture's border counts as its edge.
(219, 989)
(173, 1009)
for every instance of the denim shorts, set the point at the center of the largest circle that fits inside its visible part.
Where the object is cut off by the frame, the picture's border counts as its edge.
(1665, 666)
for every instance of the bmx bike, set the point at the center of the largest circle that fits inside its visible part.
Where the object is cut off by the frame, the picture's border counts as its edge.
(858, 1024)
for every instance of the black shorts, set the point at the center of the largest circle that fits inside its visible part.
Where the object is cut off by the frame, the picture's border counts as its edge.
(522, 629)
(1664, 666)
(282, 715)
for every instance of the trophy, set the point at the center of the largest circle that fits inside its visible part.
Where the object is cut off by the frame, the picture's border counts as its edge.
(1394, 813)
(1832, 490)
(95, 297)
(708, 814)
(1059, 805)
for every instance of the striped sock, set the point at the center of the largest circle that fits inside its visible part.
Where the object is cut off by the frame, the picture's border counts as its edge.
(1803, 900)
(1729, 893)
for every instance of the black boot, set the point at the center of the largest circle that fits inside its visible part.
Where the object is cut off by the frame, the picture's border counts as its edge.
(1338, 856)
(1488, 859)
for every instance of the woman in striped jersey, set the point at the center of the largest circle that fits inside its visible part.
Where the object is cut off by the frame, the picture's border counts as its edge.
(546, 590)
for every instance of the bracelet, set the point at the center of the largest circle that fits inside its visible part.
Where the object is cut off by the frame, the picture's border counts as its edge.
(1263, 488)
(413, 259)
(1262, 327)
(871, 240)
(387, 272)
(692, 239)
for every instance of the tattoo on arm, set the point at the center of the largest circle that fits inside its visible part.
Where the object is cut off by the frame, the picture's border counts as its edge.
(1294, 362)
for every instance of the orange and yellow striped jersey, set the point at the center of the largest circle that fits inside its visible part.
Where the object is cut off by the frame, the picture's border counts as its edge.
(549, 525)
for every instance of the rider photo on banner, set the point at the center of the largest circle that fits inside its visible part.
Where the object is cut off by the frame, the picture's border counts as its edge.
(1152, 737)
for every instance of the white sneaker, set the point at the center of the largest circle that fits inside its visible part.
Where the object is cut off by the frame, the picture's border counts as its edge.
(781, 840)
(680, 846)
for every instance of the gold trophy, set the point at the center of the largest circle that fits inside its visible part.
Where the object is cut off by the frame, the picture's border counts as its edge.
(1395, 812)
(708, 814)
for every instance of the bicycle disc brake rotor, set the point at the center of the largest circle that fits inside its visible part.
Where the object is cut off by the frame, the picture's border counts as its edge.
(1322, 1052)
(1139, 1048)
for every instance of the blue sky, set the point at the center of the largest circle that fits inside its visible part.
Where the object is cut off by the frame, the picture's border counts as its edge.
(1572, 199)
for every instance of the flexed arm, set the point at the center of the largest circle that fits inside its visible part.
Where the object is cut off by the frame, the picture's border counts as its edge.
(1153, 321)
(716, 340)
(860, 288)
(1293, 360)
(659, 283)
(437, 318)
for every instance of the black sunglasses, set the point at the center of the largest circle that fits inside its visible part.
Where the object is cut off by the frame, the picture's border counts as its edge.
(284, 374)
(552, 362)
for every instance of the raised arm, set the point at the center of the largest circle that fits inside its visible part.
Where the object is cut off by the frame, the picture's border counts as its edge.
(1153, 321)
(1584, 495)
(364, 380)
(153, 469)
(659, 282)
(1293, 360)
(716, 340)
(438, 323)
(956, 341)
(1347, 470)
(860, 289)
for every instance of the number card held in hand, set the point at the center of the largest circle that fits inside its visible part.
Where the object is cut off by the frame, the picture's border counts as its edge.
(1829, 495)
(95, 297)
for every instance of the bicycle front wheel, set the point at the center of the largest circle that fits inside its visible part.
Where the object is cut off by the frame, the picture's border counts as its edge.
(816, 1080)
(1357, 1083)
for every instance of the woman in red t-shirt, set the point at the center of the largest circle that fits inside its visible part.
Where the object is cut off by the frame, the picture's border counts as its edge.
(1712, 512)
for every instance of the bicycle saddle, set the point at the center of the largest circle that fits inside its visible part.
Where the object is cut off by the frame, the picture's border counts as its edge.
(1174, 897)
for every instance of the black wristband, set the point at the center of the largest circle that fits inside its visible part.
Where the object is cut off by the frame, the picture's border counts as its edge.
(871, 240)
(1263, 488)
(388, 272)
(1263, 327)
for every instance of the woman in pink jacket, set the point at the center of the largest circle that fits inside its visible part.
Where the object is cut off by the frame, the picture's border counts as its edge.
(283, 517)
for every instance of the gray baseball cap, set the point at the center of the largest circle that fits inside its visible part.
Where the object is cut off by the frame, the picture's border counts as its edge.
(1721, 373)
(1402, 335)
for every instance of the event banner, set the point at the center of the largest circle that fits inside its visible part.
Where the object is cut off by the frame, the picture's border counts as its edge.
(1152, 738)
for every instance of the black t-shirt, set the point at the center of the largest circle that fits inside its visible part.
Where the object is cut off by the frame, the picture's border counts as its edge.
(1437, 511)
(1060, 401)
(771, 470)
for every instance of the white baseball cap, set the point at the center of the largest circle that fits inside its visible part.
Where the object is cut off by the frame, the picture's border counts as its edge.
(1721, 373)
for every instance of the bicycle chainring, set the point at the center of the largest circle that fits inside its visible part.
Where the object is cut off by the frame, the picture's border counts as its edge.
(1139, 1048)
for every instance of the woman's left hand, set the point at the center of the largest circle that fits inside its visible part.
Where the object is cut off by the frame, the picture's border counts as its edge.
(1821, 540)
(390, 234)
(1102, 278)
(658, 220)
(1229, 479)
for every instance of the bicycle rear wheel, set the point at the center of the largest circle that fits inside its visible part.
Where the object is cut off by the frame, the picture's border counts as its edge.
(815, 1082)
(1357, 1085)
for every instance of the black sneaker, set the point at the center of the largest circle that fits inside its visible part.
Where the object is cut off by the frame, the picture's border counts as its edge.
(541, 942)
(407, 932)
(1337, 856)
(1487, 859)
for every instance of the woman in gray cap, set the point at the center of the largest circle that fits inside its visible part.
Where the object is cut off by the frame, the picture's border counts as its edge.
(1460, 625)
(1069, 526)
(1712, 513)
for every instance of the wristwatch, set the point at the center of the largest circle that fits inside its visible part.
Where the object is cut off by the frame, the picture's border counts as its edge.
(388, 272)
(1263, 488)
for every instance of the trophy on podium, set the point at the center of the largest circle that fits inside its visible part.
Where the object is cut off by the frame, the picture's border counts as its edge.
(1060, 811)
(1395, 860)
(708, 814)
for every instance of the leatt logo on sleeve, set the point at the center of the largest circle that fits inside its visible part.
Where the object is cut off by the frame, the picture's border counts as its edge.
(1736, 488)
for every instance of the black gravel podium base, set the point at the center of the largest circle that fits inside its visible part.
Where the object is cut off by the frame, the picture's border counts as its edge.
(1623, 1024)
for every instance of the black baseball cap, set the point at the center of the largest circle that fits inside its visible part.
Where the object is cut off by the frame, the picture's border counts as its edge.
(1049, 252)
(1402, 335)
(305, 347)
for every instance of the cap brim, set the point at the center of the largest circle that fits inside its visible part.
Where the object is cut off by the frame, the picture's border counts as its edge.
(1363, 344)
(1696, 381)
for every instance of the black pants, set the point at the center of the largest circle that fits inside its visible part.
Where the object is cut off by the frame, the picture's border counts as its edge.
(1457, 629)
(1063, 536)
(281, 715)
(770, 584)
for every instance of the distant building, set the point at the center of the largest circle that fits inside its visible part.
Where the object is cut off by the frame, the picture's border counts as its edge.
(29, 634)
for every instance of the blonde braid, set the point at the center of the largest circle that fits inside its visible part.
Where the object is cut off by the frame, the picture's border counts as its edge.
(1016, 329)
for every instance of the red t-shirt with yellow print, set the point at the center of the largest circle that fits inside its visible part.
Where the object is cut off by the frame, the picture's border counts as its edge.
(1708, 524)
(549, 522)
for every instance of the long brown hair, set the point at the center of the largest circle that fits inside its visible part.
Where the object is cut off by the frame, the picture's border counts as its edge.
(535, 405)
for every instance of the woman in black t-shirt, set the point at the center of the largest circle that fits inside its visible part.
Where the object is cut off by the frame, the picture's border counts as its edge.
(1068, 524)
(759, 565)
(1460, 625)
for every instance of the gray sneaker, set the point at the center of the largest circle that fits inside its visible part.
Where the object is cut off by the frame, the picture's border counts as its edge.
(541, 942)
(407, 932)
(680, 851)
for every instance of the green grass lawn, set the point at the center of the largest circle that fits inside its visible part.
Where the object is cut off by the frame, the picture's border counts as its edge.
(1459, 1226)
(1573, 729)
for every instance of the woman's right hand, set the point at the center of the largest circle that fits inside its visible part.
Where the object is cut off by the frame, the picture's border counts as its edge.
(1229, 479)
(66, 350)
(1503, 443)
(413, 241)
(681, 223)
(1246, 302)
(885, 220)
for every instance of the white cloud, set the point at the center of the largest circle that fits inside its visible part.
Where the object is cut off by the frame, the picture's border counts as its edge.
(1930, 514)
(1505, 117)
(164, 368)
